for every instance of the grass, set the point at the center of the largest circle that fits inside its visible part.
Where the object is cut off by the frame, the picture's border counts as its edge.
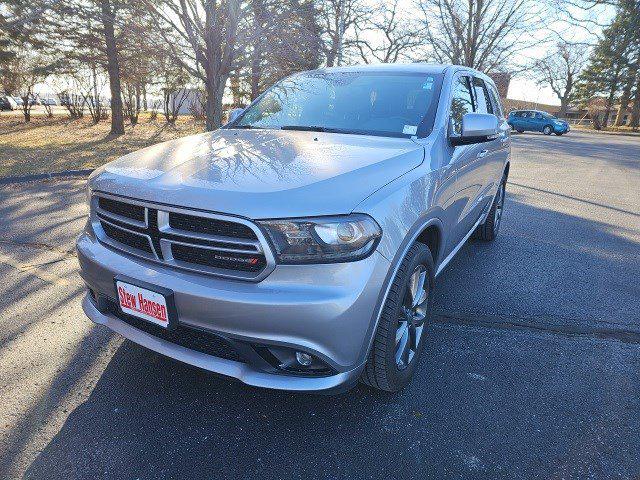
(60, 143)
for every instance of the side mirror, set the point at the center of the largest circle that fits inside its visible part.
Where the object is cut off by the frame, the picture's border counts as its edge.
(235, 113)
(476, 128)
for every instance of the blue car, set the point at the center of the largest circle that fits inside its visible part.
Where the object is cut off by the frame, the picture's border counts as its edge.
(536, 121)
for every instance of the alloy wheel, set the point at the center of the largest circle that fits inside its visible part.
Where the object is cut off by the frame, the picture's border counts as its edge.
(412, 317)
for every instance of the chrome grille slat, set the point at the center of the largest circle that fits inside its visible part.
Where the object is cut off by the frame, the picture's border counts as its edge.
(247, 257)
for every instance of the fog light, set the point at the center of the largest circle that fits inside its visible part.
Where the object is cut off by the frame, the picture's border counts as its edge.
(304, 359)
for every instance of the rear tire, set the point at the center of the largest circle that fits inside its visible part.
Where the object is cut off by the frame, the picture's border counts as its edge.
(488, 230)
(547, 130)
(396, 351)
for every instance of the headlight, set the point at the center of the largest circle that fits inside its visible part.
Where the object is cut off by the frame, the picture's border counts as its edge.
(323, 239)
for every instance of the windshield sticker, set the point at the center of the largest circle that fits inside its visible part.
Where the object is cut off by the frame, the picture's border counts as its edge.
(410, 129)
(428, 84)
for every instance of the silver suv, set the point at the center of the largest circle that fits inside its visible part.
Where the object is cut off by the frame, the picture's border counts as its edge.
(297, 247)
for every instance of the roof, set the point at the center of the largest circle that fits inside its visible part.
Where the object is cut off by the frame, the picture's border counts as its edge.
(433, 68)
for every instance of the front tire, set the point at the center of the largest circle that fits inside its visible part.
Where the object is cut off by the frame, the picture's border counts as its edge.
(399, 338)
(488, 231)
(547, 130)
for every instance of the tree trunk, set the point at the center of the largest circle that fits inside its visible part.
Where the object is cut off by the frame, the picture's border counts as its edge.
(144, 97)
(215, 91)
(96, 99)
(26, 110)
(564, 103)
(624, 104)
(235, 89)
(256, 56)
(635, 111)
(113, 67)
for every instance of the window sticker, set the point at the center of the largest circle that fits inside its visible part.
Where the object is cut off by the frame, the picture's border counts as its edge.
(428, 84)
(410, 129)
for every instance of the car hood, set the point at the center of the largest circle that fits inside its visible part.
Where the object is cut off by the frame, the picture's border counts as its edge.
(261, 173)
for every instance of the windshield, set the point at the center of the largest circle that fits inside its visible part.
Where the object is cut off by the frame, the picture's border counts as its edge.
(367, 103)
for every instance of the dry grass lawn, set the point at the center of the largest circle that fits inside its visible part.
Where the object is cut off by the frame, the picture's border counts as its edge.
(59, 143)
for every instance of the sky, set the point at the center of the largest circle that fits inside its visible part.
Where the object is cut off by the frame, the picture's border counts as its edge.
(522, 86)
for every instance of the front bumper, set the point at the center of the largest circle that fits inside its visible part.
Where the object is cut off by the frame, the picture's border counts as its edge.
(327, 310)
(560, 128)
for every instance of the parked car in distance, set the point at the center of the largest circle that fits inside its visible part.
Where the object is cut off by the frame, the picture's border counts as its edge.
(298, 246)
(8, 103)
(18, 101)
(50, 101)
(535, 121)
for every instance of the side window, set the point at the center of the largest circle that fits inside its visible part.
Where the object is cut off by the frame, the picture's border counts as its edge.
(461, 102)
(495, 100)
(482, 96)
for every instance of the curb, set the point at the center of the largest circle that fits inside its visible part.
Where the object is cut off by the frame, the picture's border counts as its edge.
(604, 132)
(45, 176)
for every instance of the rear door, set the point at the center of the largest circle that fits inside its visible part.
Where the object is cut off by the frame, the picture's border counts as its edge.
(538, 121)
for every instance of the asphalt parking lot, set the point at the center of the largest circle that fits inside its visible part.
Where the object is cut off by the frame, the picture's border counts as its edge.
(532, 368)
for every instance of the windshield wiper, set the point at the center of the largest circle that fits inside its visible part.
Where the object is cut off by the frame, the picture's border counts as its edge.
(306, 128)
(247, 127)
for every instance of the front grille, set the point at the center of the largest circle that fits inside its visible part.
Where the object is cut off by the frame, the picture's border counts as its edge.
(133, 212)
(218, 259)
(126, 237)
(202, 242)
(210, 226)
(188, 337)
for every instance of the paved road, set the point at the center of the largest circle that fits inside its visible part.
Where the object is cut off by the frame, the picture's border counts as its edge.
(532, 369)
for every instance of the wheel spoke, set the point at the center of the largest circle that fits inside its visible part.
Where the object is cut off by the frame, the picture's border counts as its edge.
(402, 351)
(416, 287)
(401, 331)
(418, 318)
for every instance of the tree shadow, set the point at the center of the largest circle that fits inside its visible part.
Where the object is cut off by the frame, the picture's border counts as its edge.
(484, 403)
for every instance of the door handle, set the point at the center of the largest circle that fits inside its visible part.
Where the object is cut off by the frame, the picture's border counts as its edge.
(482, 154)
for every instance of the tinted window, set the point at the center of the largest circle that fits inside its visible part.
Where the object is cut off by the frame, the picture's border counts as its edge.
(389, 104)
(461, 103)
(482, 96)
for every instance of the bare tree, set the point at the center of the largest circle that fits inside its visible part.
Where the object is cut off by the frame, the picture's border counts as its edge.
(201, 35)
(25, 70)
(559, 70)
(108, 18)
(388, 36)
(338, 19)
(482, 34)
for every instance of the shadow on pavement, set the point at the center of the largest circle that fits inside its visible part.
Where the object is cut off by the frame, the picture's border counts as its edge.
(484, 404)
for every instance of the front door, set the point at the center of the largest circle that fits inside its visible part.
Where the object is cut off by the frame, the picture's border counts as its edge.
(467, 162)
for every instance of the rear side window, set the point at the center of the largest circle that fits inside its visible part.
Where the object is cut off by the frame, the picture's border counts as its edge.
(483, 101)
(461, 102)
(495, 101)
